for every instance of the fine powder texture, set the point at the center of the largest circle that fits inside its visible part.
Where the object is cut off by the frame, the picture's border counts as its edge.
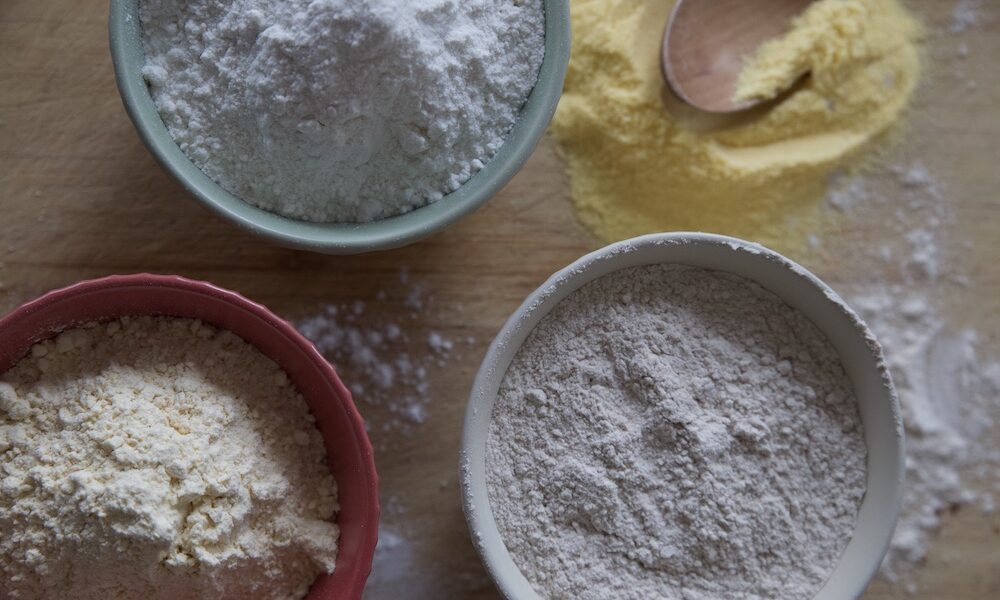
(831, 40)
(160, 459)
(640, 162)
(672, 432)
(340, 110)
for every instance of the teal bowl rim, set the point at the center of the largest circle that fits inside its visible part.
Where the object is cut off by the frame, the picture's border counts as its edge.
(341, 238)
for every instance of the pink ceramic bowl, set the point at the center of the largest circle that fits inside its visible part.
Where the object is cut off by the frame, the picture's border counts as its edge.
(348, 449)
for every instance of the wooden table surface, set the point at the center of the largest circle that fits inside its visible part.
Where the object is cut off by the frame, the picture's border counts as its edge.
(80, 197)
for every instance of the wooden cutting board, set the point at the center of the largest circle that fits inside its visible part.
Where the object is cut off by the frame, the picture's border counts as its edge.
(80, 197)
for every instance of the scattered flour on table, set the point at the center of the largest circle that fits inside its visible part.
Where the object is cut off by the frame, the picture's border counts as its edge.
(394, 557)
(159, 458)
(965, 19)
(675, 432)
(340, 110)
(948, 383)
(965, 15)
(395, 564)
(381, 360)
(411, 562)
(946, 393)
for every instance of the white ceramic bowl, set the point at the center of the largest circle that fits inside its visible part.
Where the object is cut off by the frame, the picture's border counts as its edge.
(858, 349)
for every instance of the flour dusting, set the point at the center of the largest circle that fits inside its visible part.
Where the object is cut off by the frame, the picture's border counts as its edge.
(384, 361)
(965, 15)
(947, 379)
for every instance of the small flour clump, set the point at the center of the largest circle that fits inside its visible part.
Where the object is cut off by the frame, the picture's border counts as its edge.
(341, 110)
(375, 357)
(673, 432)
(159, 458)
(380, 348)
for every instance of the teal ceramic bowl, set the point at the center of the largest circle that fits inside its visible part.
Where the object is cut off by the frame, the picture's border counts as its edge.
(341, 238)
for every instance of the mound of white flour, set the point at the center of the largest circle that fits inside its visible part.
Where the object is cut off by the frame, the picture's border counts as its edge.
(670, 432)
(341, 110)
(159, 459)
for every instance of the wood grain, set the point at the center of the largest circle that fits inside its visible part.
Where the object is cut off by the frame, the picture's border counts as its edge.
(80, 197)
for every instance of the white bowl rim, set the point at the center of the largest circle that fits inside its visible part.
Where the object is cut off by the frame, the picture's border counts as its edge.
(881, 505)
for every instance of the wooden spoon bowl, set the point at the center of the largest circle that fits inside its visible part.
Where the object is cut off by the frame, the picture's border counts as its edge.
(706, 43)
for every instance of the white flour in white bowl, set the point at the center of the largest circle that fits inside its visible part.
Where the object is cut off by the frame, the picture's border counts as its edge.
(341, 110)
(672, 432)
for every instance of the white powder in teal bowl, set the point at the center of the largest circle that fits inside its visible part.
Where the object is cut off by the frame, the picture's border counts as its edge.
(341, 110)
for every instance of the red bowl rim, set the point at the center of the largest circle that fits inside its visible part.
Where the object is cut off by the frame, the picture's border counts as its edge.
(261, 311)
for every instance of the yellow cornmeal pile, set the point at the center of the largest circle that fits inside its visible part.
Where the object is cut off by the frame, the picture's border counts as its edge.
(639, 162)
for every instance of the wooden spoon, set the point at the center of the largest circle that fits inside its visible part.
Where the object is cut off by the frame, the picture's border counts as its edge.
(706, 42)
